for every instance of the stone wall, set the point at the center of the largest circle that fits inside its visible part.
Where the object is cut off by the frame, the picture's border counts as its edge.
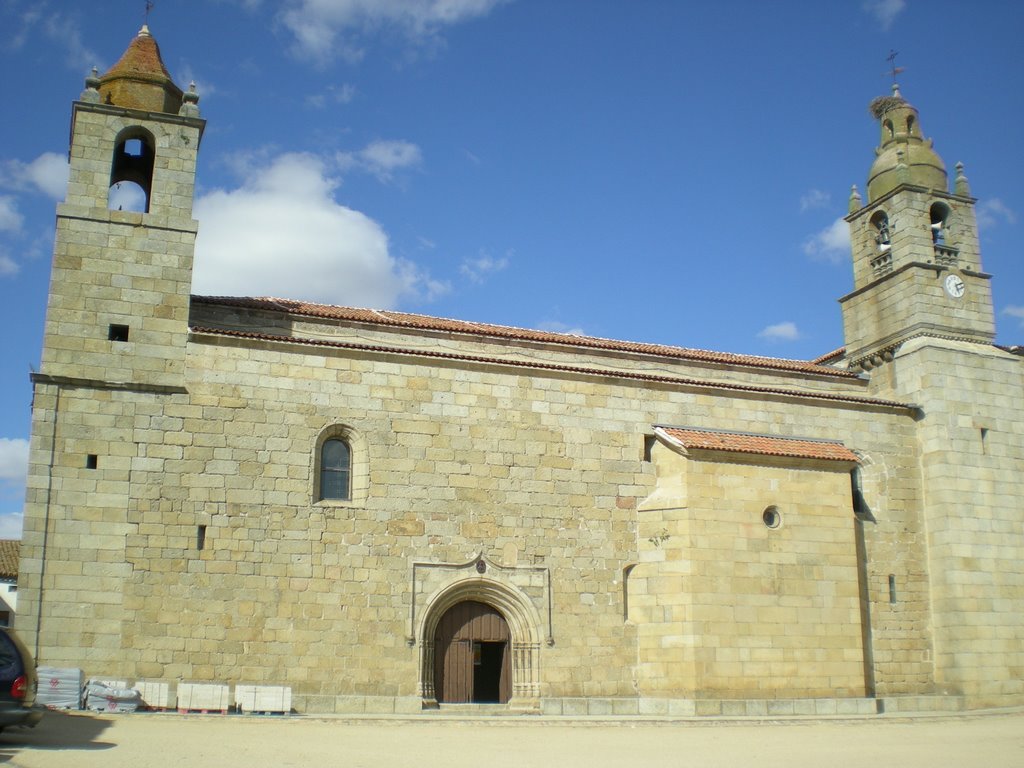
(534, 471)
(972, 456)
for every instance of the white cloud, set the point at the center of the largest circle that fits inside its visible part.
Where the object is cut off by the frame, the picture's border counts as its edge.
(282, 233)
(480, 268)
(28, 20)
(426, 287)
(337, 94)
(48, 174)
(13, 461)
(325, 29)
(10, 219)
(830, 244)
(57, 27)
(1016, 311)
(64, 31)
(994, 211)
(814, 199)
(556, 327)
(885, 11)
(785, 331)
(383, 158)
(11, 526)
(7, 265)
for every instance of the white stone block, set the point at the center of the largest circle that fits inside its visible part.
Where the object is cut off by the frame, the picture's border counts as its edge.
(155, 694)
(263, 698)
(203, 697)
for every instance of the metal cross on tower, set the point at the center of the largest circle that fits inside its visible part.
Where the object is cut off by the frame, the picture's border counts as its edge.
(893, 69)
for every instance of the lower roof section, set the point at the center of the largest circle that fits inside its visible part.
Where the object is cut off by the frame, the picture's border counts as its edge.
(692, 438)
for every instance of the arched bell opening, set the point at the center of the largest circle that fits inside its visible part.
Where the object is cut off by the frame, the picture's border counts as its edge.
(880, 225)
(131, 170)
(939, 215)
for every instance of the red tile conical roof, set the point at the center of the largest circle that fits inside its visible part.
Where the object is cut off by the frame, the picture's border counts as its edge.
(139, 80)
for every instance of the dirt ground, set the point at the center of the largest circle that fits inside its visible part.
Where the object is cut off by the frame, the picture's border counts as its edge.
(85, 740)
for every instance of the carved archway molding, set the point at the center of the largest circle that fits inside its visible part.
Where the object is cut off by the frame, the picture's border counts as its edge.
(491, 586)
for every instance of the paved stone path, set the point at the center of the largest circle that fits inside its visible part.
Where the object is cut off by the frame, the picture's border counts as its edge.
(90, 741)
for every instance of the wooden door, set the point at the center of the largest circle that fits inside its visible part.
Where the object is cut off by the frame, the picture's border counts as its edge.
(472, 658)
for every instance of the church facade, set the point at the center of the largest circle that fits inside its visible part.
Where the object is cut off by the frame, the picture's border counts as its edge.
(389, 512)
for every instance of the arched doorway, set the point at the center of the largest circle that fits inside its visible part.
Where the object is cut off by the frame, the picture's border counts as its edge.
(522, 649)
(472, 655)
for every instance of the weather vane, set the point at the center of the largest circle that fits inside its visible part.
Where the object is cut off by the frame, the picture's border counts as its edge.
(149, 7)
(893, 69)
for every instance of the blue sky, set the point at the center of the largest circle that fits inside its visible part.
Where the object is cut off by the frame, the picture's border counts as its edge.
(653, 170)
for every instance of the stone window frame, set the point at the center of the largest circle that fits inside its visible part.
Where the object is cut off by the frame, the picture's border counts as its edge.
(359, 469)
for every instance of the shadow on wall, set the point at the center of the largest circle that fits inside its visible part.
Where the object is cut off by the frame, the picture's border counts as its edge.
(56, 731)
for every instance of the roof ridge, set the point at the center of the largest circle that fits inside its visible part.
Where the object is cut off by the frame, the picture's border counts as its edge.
(746, 433)
(833, 355)
(632, 375)
(431, 322)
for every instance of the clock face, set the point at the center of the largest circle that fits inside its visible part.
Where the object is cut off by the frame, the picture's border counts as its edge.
(955, 286)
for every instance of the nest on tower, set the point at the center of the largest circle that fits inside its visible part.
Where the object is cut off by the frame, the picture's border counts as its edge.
(883, 104)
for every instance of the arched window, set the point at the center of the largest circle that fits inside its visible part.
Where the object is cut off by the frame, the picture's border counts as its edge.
(335, 470)
(339, 467)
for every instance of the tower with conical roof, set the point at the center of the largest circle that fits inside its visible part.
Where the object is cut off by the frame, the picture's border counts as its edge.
(121, 278)
(114, 347)
(916, 262)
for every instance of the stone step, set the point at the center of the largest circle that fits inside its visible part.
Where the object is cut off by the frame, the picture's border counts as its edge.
(920, 704)
(472, 710)
(651, 707)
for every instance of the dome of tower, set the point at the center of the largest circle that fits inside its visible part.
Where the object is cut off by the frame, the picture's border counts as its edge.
(139, 80)
(903, 156)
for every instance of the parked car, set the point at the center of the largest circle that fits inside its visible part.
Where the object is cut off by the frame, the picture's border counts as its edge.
(17, 683)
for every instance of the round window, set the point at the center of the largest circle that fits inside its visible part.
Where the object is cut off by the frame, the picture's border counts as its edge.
(771, 517)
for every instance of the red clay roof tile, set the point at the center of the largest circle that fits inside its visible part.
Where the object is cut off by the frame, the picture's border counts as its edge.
(425, 322)
(139, 79)
(10, 553)
(763, 445)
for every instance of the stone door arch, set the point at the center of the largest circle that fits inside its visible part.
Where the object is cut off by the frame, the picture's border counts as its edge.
(522, 647)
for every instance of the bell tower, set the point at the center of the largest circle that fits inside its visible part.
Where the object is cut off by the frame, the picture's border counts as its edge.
(916, 260)
(114, 348)
(119, 290)
(920, 322)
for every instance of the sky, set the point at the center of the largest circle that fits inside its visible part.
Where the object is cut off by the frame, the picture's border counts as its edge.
(670, 171)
